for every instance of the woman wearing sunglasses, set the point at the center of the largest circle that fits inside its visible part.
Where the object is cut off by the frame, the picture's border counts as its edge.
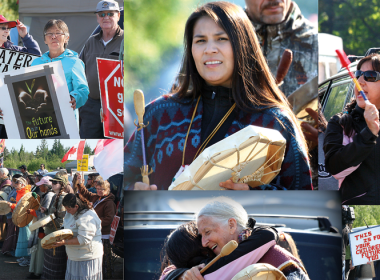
(30, 45)
(351, 146)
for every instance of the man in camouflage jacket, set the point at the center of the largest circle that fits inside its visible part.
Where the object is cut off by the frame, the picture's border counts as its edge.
(280, 25)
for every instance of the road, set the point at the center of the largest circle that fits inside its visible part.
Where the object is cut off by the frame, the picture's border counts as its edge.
(10, 269)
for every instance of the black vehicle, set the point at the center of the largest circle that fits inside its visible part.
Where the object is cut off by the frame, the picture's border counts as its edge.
(338, 90)
(319, 249)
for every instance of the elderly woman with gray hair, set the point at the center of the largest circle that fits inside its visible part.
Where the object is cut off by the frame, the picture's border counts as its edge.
(219, 222)
(34, 244)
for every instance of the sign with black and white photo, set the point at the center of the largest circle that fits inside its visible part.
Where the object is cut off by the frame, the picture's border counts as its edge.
(14, 60)
(35, 103)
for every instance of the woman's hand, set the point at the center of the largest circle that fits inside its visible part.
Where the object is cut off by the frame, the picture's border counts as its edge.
(21, 28)
(140, 186)
(73, 102)
(234, 186)
(1, 112)
(58, 244)
(42, 209)
(193, 273)
(371, 116)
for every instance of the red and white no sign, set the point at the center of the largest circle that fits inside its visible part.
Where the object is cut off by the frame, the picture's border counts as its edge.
(111, 84)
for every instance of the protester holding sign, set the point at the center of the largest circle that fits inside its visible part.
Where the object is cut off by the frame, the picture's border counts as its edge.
(30, 46)
(105, 44)
(104, 206)
(56, 36)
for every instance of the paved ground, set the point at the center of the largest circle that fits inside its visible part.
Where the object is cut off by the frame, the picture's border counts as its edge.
(10, 269)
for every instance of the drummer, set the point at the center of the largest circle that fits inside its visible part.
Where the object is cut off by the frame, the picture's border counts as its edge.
(55, 264)
(222, 66)
(5, 188)
(22, 188)
(37, 257)
(9, 245)
(85, 249)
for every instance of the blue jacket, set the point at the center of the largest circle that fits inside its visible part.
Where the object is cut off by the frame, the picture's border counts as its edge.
(74, 73)
(31, 45)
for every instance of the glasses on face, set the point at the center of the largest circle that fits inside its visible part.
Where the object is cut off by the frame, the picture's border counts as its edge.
(5, 28)
(106, 14)
(54, 34)
(369, 76)
(55, 182)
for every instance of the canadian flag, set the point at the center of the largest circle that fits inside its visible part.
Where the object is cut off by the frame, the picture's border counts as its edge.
(108, 159)
(75, 152)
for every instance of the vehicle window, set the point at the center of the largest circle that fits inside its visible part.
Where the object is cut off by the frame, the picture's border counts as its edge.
(336, 98)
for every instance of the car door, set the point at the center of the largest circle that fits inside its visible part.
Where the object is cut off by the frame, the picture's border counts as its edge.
(338, 93)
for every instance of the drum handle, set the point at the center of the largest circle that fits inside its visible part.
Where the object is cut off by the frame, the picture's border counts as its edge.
(52, 219)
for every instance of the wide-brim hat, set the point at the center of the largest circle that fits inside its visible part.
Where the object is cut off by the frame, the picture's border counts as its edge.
(107, 5)
(59, 178)
(11, 24)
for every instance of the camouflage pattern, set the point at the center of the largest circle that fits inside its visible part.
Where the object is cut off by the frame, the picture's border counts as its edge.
(297, 34)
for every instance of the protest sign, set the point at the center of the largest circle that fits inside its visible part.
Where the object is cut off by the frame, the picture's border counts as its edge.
(35, 103)
(111, 84)
(114, 225)
(82, 165)
(14, 60)
(365, 245)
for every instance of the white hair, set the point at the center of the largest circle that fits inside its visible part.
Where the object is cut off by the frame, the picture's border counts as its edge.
(222, 209)
(4, 171)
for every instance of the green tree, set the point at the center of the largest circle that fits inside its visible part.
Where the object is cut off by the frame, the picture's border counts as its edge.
(357, 22)
(153, 35)
(366, 214)
(9, 9)
(87, 150)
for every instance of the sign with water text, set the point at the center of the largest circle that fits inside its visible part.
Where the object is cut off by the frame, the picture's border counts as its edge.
(111, 84)
(14, 60)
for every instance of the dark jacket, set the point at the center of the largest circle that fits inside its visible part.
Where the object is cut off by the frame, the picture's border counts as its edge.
(362, 185)
(30, 45)
(106, 209)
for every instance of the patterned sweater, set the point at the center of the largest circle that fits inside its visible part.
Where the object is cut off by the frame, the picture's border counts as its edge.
(165, 138)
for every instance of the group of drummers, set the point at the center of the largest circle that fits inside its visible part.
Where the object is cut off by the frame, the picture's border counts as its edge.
(59, 229)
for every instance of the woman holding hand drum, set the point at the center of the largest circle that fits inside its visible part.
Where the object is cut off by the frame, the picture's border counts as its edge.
(226, 86)
(85, 249)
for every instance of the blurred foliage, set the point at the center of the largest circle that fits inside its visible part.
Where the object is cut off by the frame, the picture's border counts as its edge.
(50, 157)
(9, 9)
(153, 30)
(369, 213)
(357, 22)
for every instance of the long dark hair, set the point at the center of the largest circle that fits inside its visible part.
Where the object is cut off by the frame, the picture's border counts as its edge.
(183, 247)
(253, 84)
(346, 119)
(70, 200)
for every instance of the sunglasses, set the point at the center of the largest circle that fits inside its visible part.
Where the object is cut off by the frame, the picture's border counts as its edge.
(369, 76)
(55, 182)
(5, 28)
(106, 14)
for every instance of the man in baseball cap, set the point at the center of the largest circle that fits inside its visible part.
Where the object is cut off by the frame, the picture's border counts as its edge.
(105, 44)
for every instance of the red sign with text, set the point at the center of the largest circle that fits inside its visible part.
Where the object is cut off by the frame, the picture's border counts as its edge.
(365, 245)
(111, 84)
(114, 225)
